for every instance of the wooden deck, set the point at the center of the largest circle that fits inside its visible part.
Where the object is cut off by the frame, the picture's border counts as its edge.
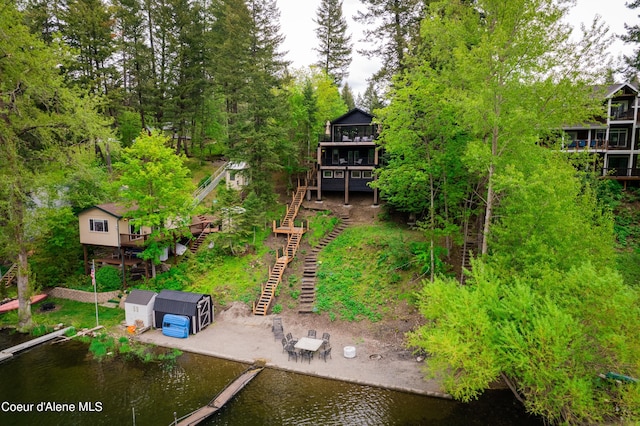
(222, 398)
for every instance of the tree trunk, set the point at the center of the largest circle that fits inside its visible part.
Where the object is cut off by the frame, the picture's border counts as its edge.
(24, 297)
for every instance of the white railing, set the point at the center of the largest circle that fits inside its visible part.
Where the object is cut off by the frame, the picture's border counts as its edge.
(209, 185)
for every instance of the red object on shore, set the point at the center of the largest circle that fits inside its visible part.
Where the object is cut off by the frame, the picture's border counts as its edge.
(10, 306)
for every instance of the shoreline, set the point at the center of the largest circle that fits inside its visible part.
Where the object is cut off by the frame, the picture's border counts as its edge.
(248, 339)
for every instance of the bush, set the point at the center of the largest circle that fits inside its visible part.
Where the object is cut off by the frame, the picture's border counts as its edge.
(108, 278)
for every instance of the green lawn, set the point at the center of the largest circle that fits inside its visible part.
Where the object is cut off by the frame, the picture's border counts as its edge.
(68, 312)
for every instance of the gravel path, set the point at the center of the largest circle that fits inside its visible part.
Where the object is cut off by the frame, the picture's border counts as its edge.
(240, 336)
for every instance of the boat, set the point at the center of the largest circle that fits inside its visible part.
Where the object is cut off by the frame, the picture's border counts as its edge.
(13, 304)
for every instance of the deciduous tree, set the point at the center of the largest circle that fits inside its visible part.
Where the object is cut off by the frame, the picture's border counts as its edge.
(41, 121)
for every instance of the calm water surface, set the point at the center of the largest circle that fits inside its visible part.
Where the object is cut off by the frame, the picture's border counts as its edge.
(116, 390)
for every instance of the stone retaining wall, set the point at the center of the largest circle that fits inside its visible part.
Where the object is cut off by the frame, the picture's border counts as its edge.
(82, 296)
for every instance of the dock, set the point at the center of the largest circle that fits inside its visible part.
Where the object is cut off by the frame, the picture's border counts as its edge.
(9, 352)
(219, 400)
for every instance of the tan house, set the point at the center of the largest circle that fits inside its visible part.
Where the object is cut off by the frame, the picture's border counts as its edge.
(107, 225)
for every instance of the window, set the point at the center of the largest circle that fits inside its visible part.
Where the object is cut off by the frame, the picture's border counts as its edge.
(356, 174)
(327, 174)
(98, 225)
(338, 174)
(366, 174)
(618, 137)
(232, 176)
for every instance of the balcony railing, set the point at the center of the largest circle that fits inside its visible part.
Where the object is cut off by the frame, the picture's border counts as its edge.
(621, 171)
(595, 144)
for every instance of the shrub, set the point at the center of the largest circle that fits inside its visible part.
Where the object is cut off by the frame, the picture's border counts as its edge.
(276, 309)
(108, 278)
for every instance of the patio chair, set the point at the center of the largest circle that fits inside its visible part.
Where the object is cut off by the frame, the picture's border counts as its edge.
(289, 337)
(325, 353)
(306, 354)
(311, 333)
(284, 344)
(292, 354)
(326, 337)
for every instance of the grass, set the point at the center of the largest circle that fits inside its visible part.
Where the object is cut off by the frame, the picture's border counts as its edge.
(319, 226)
(365, 271)
(68, 312)
(231, 278)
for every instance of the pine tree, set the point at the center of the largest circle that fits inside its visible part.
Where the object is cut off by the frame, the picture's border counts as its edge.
(347, 96)
(370, 100)
(335, 46)
(390, 26)
(632, 37)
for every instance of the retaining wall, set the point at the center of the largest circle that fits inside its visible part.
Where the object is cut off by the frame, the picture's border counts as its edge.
(82, 296)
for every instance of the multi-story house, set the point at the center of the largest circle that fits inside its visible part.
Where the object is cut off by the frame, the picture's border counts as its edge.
(614, 138)
(347, 156)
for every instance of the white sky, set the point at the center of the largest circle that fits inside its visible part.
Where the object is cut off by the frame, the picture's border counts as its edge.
(296, 24)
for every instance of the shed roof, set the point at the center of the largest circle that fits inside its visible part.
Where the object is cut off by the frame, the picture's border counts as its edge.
(178, 302)
(140, 297)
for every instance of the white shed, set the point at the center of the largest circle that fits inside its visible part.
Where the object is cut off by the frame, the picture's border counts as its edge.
(237, 176)
(139, 307)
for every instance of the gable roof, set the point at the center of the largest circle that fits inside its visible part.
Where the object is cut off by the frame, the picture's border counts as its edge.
(177, 302)
(355, 116)
(114, 209)
(612, 89)
(140, 297)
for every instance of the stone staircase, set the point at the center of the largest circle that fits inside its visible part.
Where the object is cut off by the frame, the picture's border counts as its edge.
(308, 288)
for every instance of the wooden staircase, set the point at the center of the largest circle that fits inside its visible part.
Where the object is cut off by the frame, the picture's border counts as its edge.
(308, 290)
(9, 276)
(294, 235)
(201, 237)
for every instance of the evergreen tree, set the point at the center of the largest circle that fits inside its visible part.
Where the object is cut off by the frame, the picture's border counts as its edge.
(391, 26)
(632, 37)
(89, 27)
(334, 49)
(347, 96)
(370, 100)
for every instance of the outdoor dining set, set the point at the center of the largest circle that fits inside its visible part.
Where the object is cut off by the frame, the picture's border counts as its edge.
(304, 347)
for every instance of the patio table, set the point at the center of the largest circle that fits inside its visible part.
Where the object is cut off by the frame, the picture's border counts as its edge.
(309, 344)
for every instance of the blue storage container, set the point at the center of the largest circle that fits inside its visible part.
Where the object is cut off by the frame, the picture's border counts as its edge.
(175, 326)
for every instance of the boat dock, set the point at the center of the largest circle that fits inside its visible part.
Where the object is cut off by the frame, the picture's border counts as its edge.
(219, 400)
(9, 352)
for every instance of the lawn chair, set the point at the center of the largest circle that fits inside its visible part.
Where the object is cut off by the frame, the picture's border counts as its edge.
(325, 353)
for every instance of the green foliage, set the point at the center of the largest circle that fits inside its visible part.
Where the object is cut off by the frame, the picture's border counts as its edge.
(108, 278)
(276, 309)
(129, 127)
(551, 336)
(58, 254)
(321, 224)
(352, 287)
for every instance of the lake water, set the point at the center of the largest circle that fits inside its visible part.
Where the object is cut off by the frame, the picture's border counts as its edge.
(114, 391)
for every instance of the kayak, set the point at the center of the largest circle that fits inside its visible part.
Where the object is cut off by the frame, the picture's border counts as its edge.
(10, 306)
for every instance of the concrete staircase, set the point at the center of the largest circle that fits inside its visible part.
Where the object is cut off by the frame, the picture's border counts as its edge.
(308, 288)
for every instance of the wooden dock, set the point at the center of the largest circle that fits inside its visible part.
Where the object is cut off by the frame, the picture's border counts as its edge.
(222, 398)
(8, 353)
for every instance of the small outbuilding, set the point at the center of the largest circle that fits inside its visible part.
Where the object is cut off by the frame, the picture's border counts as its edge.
(138, 307)
(197, 307)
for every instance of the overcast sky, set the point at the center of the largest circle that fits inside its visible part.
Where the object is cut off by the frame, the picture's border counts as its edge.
(296, 24)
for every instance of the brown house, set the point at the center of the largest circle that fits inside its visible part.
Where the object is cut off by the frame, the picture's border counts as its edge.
(348, 155)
